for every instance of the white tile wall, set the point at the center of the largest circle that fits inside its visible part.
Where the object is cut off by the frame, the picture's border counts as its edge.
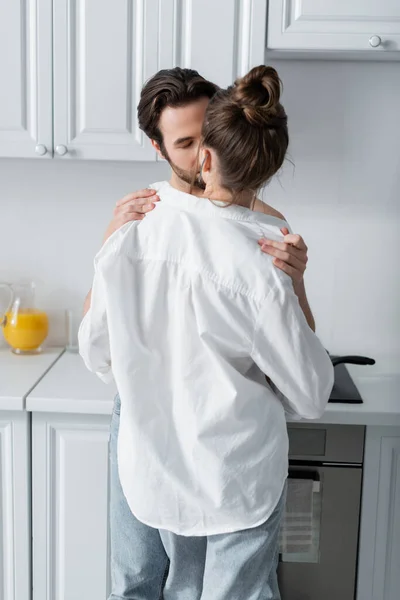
(342, 195)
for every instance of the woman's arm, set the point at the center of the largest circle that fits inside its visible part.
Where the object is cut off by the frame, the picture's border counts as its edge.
(290, 256)
(300, 291)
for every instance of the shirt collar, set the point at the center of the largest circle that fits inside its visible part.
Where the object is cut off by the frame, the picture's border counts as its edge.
(211, 208)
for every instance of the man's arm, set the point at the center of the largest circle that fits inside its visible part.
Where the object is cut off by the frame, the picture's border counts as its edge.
(87, 302)
(132, 207)
(93, 334)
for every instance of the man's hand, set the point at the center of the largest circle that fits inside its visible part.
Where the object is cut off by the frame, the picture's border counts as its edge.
(132, 207)
(290, 255)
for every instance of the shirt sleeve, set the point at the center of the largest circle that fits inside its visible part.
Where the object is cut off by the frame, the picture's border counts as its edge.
(287, 350)
(93, 335)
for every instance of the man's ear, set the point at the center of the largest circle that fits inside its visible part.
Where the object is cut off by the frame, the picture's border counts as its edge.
(157, 148)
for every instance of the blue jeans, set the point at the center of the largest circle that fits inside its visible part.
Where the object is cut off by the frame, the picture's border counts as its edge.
(153, 564)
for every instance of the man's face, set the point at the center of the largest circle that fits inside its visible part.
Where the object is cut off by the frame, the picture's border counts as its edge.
(181, 131)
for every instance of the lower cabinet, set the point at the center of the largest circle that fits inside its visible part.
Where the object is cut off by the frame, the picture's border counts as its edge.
(15, 507)
(70, 507)
(379, 558)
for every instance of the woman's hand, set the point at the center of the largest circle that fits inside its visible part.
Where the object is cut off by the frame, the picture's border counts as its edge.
(132, 207)
(290, 255)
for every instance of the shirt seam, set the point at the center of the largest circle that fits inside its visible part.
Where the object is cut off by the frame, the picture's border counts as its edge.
(242, 290)
(112, 246)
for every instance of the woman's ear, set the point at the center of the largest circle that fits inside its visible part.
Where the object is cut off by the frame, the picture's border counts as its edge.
(206, 160)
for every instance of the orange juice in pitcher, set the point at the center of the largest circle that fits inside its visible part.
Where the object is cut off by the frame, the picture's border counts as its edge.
(25, 328)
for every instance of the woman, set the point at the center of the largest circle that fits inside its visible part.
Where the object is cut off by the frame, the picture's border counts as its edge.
(189, 316)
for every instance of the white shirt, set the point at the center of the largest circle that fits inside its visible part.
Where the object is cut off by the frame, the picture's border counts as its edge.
(187, 314)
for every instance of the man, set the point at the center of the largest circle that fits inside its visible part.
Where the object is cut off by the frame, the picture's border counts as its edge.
(144, 566)
(176, 138)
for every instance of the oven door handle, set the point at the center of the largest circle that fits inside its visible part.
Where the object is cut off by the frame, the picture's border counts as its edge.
(299, 474)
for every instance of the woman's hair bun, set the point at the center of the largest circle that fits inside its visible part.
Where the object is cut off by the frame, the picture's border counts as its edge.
(258, 94)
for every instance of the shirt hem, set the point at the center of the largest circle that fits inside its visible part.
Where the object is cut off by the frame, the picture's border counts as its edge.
(107, 377)
(211, 530)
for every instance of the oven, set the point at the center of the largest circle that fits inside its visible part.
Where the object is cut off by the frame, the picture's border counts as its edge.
(319, 540)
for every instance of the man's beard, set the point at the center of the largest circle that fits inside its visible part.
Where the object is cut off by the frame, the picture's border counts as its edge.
(190, 177)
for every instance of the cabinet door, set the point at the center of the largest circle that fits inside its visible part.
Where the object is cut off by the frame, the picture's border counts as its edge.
(372, 26)
(379, 560)
(221, 40)
(103, 53)
(15, 507)
(26, 79)
(70, 507)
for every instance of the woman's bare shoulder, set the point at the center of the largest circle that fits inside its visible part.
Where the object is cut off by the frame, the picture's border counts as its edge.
(262, 207)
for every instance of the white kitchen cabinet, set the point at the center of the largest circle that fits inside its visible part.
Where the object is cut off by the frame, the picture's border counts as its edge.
(379, 564)
(221, 39)
(104, 52)
(371, 26)
(72, 70)
(18, 375)
(26, 79)
(70, 507)
(15, 533)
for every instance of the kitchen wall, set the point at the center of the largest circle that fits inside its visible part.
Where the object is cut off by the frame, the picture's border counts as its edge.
(342, 194)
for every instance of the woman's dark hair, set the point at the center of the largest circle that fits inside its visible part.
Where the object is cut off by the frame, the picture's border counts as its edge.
(247, 127)
(170, 87)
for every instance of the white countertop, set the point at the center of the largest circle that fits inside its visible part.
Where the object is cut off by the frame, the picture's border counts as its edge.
(19, 374)
(69, 387)
(381, 396)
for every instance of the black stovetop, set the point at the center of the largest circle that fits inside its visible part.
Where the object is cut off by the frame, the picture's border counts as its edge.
(344, 389)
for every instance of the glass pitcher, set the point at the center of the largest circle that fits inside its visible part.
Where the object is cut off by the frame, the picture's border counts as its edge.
(25, 328)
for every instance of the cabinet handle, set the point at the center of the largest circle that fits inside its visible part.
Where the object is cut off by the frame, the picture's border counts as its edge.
(375, 41)
(41, 149)
(61, 150)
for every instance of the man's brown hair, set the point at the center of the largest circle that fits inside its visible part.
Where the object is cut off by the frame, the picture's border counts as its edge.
(170, 88)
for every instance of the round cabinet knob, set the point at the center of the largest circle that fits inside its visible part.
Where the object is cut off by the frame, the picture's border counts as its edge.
(61, 150)
(41, 150)
(375, 41)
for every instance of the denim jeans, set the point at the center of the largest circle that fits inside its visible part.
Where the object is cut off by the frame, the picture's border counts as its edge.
(152, 564)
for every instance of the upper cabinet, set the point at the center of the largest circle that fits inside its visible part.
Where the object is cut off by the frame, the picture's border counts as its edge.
(25, 78)
(370, 26)
(103, 53)
(72, 70)
(221, 39)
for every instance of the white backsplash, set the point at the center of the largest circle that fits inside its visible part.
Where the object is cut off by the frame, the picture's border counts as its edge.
(342, 195)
